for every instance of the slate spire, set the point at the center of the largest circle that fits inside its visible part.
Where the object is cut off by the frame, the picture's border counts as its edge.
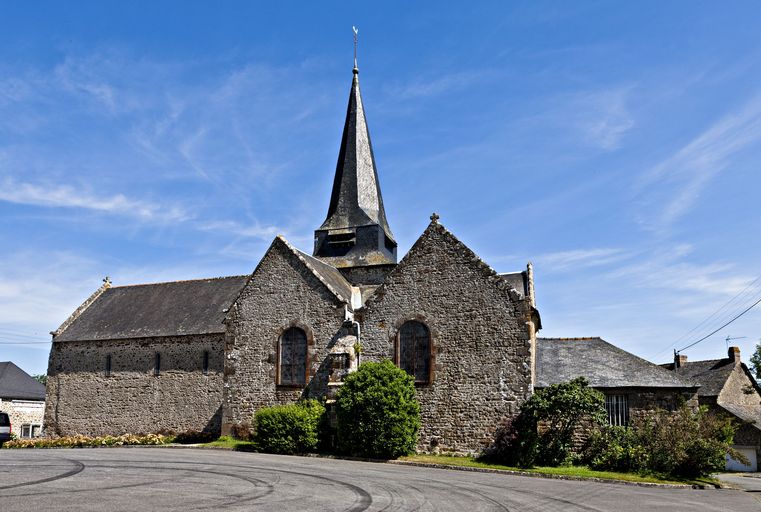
(355, 231)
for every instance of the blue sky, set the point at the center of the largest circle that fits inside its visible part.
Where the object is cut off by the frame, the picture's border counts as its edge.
(614, 145)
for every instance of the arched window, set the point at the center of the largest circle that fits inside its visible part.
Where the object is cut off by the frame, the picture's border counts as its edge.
(414, 350)
(293, 358)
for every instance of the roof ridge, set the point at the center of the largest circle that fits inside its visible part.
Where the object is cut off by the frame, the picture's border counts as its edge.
(179, 281)
(89, 301)
(492, 275)
(303, 258)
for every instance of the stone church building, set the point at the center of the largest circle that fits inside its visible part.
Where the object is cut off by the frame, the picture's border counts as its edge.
(206, 354)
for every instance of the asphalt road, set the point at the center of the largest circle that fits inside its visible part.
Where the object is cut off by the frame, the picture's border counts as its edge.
(141, 479)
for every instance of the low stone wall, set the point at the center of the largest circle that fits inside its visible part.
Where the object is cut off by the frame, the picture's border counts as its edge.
(23, 412)
(83, 399)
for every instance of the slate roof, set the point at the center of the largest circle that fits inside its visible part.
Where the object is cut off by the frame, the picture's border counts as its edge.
(356, 197)
(330, 275)
(518, 280)
(602, 364)
(327, 274)
(749, 413)
(15, 383)
(161, 309)
(712, 374)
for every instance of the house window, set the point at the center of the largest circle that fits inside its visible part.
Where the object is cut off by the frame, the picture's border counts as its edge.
(292, 367)
(157, 364)
(29, 430)
(206, 362)
(413, 351)
(108, 365)
(617, 407)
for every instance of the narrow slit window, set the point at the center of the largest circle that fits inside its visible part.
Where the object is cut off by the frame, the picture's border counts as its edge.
(617, 407)
(206, 362)
(108, 365)
(157, 364)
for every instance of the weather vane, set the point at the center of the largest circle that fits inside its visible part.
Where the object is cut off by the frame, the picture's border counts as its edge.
(356, 32)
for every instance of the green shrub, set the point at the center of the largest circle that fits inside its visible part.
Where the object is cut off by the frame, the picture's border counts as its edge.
(377, 412)
(194, 437)
(542, 432)
(614, 448)
(683, 443)
(290, 429)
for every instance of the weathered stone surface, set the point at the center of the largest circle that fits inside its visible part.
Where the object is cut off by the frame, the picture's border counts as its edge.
(82, 399)
(481, 339)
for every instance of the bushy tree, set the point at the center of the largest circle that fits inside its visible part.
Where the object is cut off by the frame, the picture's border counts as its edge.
(683, 443)
(755, 362)
(289, 429)
(542, 432)
(377, 412)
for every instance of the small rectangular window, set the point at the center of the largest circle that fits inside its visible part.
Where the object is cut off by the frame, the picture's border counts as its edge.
(157, 364)
(108, 365)
(26, 431)
(206, 362)
(617, 407)
(36, 429)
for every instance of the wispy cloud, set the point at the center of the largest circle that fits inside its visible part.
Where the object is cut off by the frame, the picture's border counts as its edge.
(66, 196)
(255, 230)
(579, 258)
(435, 86)
(603, 117)
(677, 182)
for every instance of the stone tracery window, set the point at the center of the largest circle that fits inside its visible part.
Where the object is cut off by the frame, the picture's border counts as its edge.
(292, 360)
(413, 350)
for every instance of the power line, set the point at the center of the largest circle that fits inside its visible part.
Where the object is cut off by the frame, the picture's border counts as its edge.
(6, 342)
(707, 321)
(723, 326)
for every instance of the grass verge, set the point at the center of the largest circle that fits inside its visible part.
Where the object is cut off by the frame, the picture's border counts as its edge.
(573, 471)
(232, 444)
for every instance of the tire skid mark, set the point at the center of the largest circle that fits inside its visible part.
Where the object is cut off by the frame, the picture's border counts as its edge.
(363, 502)
(78, 468)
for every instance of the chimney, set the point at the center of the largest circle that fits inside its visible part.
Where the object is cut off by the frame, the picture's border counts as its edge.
(679, 360)
(734, 354)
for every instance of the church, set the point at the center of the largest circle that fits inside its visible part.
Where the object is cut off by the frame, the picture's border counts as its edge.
(206, 354)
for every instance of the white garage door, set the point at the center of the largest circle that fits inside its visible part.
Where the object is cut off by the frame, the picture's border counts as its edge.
(750, 454)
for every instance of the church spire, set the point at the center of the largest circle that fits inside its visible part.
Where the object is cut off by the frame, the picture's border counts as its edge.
(355, 231)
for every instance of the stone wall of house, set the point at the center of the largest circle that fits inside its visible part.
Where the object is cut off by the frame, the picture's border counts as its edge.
(282, 293)
(643, 401)
(739, 389)
(82, 399)
(481, 337)
(23, 412)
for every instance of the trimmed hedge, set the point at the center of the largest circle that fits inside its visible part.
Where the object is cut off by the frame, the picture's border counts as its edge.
(290, 429)
(377, 411)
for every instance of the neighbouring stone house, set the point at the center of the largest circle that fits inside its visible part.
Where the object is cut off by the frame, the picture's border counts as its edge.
(728, 387)
(23, 398)
(633, 387)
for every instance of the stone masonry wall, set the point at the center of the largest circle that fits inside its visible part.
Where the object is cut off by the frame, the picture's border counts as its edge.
(83, 400)
(23, 412)
(282, 293)
(739, 389)
(481, 340)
